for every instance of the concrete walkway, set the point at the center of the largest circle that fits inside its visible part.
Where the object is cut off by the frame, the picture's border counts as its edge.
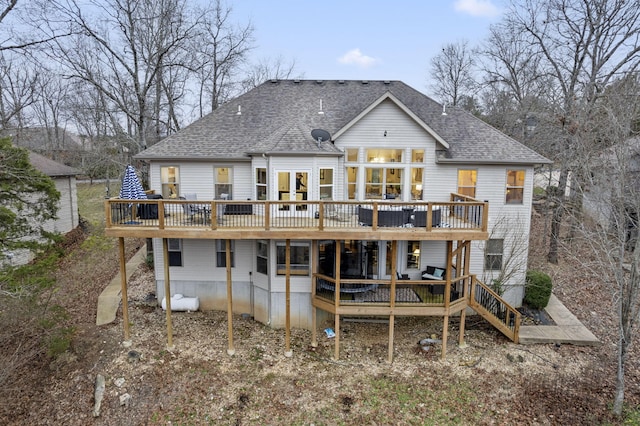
(109, 299)
(568, 328)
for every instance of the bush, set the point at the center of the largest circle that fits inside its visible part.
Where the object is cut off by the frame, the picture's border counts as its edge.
(538, 289)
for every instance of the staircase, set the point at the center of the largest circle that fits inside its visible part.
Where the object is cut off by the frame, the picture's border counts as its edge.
(489, 305)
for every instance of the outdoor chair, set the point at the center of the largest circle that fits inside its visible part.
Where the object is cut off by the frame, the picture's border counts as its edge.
(331, 211)
(192, 212)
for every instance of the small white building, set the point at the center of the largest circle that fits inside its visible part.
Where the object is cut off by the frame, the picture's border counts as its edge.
(67, 219)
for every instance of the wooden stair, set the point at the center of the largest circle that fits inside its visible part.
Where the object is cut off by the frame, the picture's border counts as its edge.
(489, 305)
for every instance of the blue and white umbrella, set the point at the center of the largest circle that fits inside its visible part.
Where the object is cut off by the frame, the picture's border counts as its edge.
(131, 187)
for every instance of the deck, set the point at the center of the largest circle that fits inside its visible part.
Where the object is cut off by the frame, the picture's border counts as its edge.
(220, 219)
(373, 297)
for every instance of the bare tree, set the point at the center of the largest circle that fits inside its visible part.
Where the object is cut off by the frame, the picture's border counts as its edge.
(268, 69)
(18, 21)
(612, 199)
(506, 271)
(581, 46)
(221, 49)
(17, 91)
(453, 72)
(121, 51)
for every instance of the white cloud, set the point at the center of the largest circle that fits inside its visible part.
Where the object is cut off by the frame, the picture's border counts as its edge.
(356, 57)
(477, 7)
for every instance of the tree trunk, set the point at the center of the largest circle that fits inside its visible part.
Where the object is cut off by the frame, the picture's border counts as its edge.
(618, 399)
(558, 213)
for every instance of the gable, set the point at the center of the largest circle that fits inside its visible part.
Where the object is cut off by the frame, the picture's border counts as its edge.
(387, 125)
(386, 103)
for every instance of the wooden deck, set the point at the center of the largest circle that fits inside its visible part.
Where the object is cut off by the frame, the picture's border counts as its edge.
(297, 220)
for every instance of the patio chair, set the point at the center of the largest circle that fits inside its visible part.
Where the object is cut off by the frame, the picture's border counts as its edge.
(331, 211)
(192, 212)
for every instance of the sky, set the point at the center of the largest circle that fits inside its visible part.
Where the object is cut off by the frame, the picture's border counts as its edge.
(364, 39)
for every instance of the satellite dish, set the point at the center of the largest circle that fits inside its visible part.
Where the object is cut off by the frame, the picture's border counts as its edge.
(320, 135)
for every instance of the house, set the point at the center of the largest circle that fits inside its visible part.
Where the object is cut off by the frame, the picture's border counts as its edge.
(610, 196)
(67, 218)
(308, 200)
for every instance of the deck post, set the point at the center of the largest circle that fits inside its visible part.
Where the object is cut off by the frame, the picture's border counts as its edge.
(167, 291)
(336, 327)
(315, 254)
(391, 334)
(287, 336)
(392, 297)
(230, 350)
(463, 315)
(123, 285)
(336, 297)
(445, 331)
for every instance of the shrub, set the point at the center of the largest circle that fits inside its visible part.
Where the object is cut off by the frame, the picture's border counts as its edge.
(539, 192)
(538, 289)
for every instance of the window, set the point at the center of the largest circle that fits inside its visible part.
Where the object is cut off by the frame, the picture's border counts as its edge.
(262, 258)
(170, 180)
(352, 183)
(221, 254)
(416, 183)
(413, 254)
(299, 258)
(223, 183)
(493, 254)
(261, 183)
(352, 155)
(175, 251)
(326, 184)
(417, 155)
(383, 182)
(384, 155)
(467, 182)
(515, 186)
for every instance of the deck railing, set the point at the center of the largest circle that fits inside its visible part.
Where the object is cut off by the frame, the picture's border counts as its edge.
(456, 214)
(494, 309)
(378, 292)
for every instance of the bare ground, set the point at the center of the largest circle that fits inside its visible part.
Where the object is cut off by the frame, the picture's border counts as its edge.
(492, 381)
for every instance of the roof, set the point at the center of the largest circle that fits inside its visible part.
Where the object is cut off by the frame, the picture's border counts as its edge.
(277, 118)
(49, 167)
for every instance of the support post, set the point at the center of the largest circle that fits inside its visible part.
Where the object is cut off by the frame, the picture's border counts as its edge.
(230, 350)
(287, 336)
(463, 315)
(445, 331)
(123, 284)
(392, 297)
(167, 291)
(336, 328)
(314, 279)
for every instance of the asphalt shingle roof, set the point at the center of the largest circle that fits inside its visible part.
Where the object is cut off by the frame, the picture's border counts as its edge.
(49, 167)
(278, 116)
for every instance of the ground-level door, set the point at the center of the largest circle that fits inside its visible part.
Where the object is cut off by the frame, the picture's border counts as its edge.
(293, 185)
(362, 259)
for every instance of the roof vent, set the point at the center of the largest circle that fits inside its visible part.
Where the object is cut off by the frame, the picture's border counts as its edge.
(444, 109)
(365, 81)
(321, 111)
(319, 81)
(239, 110)
(340, 81)
(296, 81)
(387, 82)
(274, 80)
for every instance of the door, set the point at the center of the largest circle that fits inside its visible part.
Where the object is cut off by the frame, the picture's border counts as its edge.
(385, 252)
(293, 185)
